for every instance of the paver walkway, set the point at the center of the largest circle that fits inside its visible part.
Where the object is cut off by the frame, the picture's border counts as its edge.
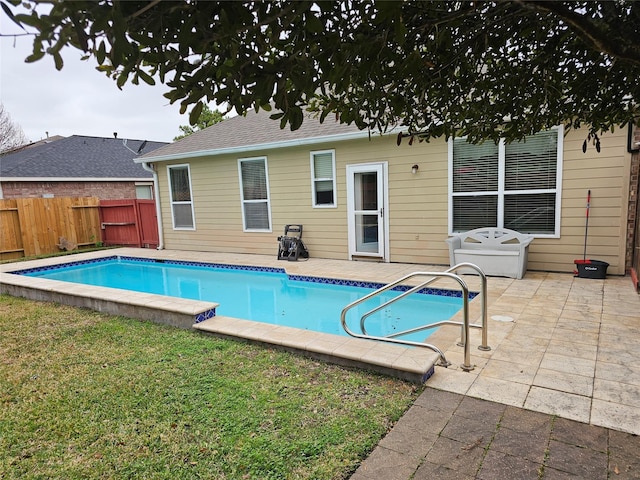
(446, 435)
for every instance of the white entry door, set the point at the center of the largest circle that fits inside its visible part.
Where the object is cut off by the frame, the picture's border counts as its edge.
(367, 210)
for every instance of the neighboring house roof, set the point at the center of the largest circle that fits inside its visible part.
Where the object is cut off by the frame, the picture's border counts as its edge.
(255, 131)
(77, 157)
(33, 144)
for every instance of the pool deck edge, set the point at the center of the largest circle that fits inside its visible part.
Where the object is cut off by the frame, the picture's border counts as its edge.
(412, 364)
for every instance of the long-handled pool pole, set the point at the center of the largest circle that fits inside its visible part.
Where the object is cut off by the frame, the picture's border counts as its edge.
(586, 226)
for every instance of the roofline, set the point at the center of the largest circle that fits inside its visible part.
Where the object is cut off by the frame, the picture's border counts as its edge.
(76, 179)
(260, 146)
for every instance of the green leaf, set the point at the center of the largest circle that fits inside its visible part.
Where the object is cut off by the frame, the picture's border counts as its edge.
(105, 69)
(195, 113)
(314, 24)
(83, 39)
(296, 117)
(121, 80)
(173, 96)
(146, 77)
(101, 52)
(34, 57)
(324, 114)
(57, 58)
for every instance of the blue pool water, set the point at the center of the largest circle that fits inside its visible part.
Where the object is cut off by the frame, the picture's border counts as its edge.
(264, 294)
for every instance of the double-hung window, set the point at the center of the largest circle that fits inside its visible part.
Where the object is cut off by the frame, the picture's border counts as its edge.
(515, 186)
(254, 192)
(323, 178)
(181, 197)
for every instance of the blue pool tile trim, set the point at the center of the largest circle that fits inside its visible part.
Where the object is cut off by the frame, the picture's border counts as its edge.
(27, 271)
(223, 266)
(150, 260)
(428, 374)
(250, 268)
(375, 285)
(206, 315)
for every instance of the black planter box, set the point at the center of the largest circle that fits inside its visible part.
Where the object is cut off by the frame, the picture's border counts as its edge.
(591, 269)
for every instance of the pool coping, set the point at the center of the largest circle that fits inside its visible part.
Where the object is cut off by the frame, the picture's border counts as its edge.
(412, 364)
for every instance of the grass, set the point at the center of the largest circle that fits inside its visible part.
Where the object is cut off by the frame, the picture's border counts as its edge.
(88, 395)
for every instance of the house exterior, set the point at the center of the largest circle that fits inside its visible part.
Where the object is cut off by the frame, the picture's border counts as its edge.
(235, 185)
(77, 166)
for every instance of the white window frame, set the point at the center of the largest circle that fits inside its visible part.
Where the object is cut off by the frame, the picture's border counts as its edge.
(147, 188)
(243, 201)
(314, 180)
(501, 192)
(190, 202)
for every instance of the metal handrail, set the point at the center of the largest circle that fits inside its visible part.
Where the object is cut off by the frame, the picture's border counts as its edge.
(483, 298)
(434, 276)
(483, 295)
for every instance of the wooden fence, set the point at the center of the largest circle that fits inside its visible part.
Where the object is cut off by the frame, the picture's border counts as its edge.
(39, 226)
(129, 222)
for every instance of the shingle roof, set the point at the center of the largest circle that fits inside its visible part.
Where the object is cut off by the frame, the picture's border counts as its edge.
(78, 157)
(251, 131)
(38, 143)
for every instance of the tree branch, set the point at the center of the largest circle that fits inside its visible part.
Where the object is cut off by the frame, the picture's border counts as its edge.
(144, 9)
(588, 30)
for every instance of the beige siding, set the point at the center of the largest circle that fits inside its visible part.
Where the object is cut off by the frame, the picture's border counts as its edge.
(418, 212)
(606, 174)
(325, 231)
(218, 210)
(418, 206)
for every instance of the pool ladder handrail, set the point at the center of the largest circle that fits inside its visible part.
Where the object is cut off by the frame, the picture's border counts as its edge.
(434, 277)
(483, 296)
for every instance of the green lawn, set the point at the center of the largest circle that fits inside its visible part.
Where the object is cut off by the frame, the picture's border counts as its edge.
(87, 395)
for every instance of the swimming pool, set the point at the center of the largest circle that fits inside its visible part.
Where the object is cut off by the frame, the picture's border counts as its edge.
(263, 294)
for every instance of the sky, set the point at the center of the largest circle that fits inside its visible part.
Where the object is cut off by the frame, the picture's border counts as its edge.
(78, 100)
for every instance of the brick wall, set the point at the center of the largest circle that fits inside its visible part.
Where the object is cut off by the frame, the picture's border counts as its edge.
(102, 190)
(634, 193)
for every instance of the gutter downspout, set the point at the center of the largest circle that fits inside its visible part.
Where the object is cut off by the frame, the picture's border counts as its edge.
(150, 168)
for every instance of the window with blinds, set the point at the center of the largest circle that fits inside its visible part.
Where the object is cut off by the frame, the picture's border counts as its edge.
(254, 189)
(532, 164)
(323, 181)
(511, 186)
(181, 198)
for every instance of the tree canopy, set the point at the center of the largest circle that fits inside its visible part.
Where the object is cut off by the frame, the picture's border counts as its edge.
(481, 69)
(207, 118)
